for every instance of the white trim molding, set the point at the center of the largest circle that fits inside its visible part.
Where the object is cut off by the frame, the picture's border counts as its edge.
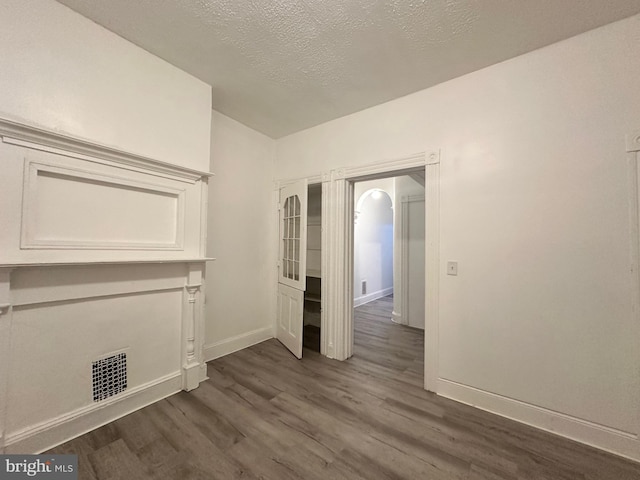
(75, 269)
(71, 196)
(30, 289)
(600, 436)
(336, 333)
(337, 248)
(43, 436)
(238, 342)
(338, 222)
(370, 297)
(432, 275)
(327, 346)
(30, 215)
(5, 349)
(382, 169)
(108, 262)
(24, 135)
(633, 175)
(192, 328)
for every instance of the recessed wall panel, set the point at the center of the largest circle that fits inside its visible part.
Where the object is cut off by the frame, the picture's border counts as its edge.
(73, 209)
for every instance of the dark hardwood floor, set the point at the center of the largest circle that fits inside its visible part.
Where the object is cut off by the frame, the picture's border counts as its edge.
(264, 414)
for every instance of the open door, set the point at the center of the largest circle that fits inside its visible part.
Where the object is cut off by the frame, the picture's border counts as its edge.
(292, 267)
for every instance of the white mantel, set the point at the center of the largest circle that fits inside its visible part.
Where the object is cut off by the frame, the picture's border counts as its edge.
(100, 251)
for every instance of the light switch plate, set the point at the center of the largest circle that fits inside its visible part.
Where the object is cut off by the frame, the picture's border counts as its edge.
(452, 268)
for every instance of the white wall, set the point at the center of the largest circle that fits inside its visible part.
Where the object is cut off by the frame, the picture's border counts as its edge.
(62, 72)
(373, 240)
(242, 236)
(534, 207)
(73, 289)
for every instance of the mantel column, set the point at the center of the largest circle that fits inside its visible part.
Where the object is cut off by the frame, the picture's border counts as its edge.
(192, 330)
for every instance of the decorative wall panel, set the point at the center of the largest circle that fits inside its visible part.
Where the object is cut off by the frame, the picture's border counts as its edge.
(101, 252)
(73, 208)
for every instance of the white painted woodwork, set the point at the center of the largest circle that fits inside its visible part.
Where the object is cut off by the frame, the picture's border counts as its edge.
(338, 280)
(534, 208)
(290, 318)
(105, 157)
(413, 260)
(194, 369)
(238, 342)
(326, 340)
(432, 273)
(64, 317)
(5, 356)
(61, 349)
(115, 211)
(93, 204)
(633, 158)
(100, 253)
(293, 211)
(295, 195)
(46, 435)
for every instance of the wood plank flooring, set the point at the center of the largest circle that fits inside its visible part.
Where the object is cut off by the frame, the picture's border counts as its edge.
(265, 415)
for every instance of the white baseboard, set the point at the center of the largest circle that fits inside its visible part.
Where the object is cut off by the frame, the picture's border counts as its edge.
(605, 438)
(41, 437)
(233, 344)
(370, 297)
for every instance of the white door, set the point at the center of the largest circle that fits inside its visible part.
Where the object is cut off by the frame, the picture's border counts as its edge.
(292, 265)
(415, 264)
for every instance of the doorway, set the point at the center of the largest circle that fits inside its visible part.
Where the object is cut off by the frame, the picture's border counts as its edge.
(337, 223)
(337, 256)
(313, 295)
(389, 270)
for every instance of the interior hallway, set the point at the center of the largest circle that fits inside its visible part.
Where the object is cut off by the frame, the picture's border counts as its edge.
(264, 414)
(381, 342)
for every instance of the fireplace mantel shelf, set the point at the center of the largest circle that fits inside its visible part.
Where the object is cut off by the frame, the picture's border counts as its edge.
(107, 262)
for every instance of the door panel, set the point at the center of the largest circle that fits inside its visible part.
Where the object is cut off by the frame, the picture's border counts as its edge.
(290, 311)
(292, 265)
(293, 235)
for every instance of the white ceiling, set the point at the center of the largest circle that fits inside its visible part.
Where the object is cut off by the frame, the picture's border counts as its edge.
(282, 66)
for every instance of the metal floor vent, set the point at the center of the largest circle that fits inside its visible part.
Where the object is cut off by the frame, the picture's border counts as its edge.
(109, 376)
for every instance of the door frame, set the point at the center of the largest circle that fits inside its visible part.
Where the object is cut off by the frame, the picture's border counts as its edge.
(340, 251)
(336, 333)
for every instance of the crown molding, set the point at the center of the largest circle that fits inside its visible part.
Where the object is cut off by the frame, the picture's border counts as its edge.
(20, 134)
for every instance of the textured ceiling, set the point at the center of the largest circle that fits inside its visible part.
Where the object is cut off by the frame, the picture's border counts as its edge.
(283, 66)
